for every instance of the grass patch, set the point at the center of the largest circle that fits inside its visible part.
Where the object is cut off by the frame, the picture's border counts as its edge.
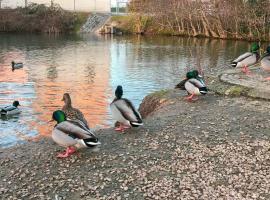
(236, 91)
(160, 94)
(80, 19)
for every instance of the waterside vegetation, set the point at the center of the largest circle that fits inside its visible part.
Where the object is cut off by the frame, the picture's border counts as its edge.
(39, 18)
(230, 19)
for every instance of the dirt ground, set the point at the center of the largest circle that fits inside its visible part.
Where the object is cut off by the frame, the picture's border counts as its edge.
(215, 148)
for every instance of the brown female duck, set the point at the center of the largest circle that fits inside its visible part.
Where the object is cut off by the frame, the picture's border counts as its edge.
(70, 112)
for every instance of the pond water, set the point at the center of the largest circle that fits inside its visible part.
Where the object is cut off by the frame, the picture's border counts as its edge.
(89, 68)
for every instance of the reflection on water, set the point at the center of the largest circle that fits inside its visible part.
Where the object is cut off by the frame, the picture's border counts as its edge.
(90, 68)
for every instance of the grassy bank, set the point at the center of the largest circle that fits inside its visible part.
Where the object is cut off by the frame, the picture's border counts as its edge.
(133, 24)
(38, 18)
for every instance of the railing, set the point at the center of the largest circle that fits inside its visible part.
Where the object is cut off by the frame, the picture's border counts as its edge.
(121, 7)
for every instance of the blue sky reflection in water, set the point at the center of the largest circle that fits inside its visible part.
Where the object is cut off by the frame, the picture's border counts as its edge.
(90, 68)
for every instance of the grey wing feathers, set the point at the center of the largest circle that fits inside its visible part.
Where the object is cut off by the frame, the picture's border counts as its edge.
(128, 110)
(82, 125)
(73, 130)
(196, 83)
(136, 113)
(243, 56)
(8, 108)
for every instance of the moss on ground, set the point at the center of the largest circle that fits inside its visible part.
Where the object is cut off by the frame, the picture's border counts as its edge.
(236, 91)
(161, 93)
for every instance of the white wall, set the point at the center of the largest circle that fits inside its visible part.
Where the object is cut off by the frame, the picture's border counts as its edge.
(80, 5)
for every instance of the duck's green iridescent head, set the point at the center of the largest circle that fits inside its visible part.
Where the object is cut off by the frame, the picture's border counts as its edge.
(254, 47)
(16, 104)
(192, 74)
(59, 116)
(119, 92)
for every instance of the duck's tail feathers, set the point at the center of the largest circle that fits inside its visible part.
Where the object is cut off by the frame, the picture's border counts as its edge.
(203, 90)
(90, 142)
(234, 64)
(136, 124)
(181, 85)
(3, 112)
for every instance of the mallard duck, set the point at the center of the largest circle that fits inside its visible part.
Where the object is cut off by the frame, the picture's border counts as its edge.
(71, 133)
(265, 61)
(195, 87)
(11, 110)
(193, 84)
(16, 65)
(189, 75)
(70, 112)
(124, 112)
(247, 59)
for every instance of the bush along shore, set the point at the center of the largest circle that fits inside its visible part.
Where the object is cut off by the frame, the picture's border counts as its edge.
(247, 20)
(38, 18)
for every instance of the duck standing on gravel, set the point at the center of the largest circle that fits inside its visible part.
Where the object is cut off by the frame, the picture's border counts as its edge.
(193, 84)
(189, 75)
(11, 110)
(195, 88)
(265, 62)
(16, 65)
(71, 133)
(72, 113)
(247, 59)
(124, 112)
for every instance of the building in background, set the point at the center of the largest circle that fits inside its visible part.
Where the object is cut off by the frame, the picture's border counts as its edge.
(78, 5)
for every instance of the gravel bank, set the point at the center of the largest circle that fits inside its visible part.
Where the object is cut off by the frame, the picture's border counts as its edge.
(215, 148)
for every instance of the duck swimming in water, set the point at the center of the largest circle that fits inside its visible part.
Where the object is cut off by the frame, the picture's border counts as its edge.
(11, 110)
(72, 113)
(247, 59)
(71, 134)
(16, 65)
(124, 112)
(265, 61)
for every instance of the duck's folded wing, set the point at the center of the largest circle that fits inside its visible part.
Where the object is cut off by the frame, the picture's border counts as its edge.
(72, 130)
(79, 115)
(8, 108)
(82, 125)
(196, 83)
(243, 57)
(127, 110)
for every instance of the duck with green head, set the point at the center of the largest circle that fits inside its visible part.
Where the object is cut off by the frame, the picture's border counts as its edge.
(265, 61)
(190, 74)
(124, 111)
(195, 87)
(193, 84)
(11, 110)
(247, 59)
(71, 134)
